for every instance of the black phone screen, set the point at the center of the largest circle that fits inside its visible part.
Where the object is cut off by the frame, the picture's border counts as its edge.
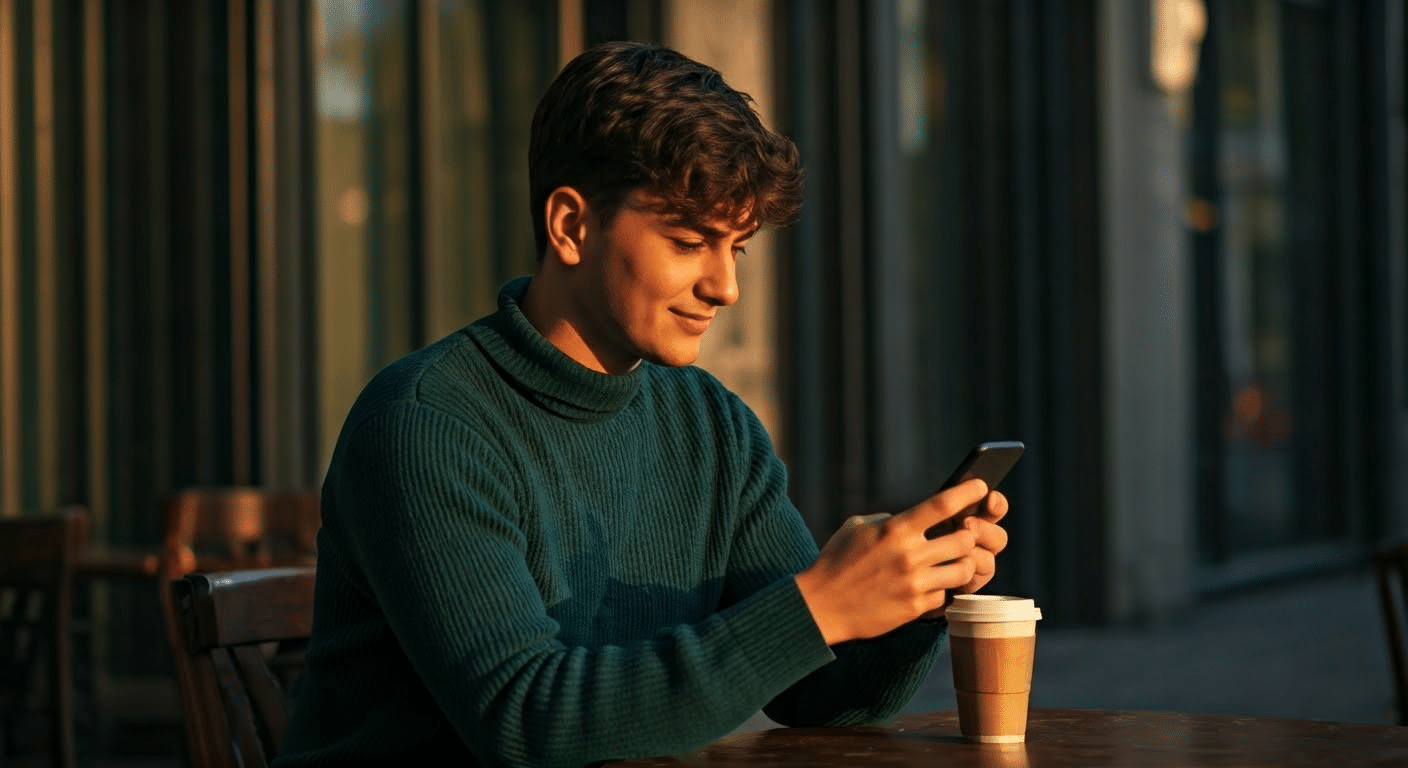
(990, 461)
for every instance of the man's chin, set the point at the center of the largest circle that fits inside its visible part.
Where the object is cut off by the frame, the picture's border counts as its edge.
(673, 358)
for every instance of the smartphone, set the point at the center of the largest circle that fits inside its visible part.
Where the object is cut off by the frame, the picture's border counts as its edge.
(990, 461)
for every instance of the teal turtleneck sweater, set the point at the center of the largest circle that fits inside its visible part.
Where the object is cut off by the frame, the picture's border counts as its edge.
(525, 562)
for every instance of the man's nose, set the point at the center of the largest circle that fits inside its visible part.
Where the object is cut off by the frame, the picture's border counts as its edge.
(719, 285)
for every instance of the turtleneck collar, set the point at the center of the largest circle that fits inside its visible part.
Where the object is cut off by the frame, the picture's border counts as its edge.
(542, 372)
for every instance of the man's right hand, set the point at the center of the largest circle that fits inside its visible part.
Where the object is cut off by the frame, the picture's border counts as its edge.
(878, 572)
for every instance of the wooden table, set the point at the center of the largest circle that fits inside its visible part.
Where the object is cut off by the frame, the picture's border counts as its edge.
(115, 563)
(1061, 738)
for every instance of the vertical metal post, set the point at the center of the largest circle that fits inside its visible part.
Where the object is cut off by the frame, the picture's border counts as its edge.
(1348, 341)
(897, 470)
(802, 271)
(267, 315)
(46, 267)
(156, 255)
(852, 366)
(1382, 61)
(1388, 512)
(95, 305)
(1211, 388)
(241, 392)
(9, 264)
(199, 281)
(571, 32)
(427, 172)
(303, 240)
(285, 407)
(1072, 110)
(1031, 305)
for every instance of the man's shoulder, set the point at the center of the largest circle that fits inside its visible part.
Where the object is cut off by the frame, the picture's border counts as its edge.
(433, 376)
(697, 392)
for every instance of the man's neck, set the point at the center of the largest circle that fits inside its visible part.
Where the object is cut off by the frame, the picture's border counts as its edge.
(550, 309)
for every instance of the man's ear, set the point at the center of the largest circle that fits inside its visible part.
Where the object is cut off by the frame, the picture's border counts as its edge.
(567, 222)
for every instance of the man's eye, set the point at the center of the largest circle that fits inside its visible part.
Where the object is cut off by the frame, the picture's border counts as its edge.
(689, 245)
(740, 250)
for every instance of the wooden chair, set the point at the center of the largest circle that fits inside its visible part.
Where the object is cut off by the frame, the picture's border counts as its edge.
(1391, 567)
(237, 629)
(37, 558)
(223, 529)
(228, 528)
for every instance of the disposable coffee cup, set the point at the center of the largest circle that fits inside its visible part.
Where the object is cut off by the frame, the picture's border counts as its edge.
(1003, 756)
(993, 641)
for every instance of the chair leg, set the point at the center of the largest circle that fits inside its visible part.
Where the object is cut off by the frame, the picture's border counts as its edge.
(1392, 592)
(64, 751)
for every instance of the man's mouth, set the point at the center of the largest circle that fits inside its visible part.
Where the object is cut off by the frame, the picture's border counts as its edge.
(692, 322)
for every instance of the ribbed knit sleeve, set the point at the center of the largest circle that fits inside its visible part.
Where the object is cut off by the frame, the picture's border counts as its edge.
(870, 680)
(433, 534)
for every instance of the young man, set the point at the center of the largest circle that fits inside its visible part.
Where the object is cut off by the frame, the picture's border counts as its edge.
(548, 540)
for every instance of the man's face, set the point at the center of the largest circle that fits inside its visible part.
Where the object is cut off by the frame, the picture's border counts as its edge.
(653, 283)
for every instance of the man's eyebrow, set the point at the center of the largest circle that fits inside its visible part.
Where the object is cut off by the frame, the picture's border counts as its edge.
(707, 230)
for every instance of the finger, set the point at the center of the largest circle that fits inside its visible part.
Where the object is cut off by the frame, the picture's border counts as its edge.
(937, 613)
(984, 564)
(976, 583)
(855, 521)
(954, 522)
(944, 504)
(984, 569)
(948, 576)
(988, 535)
(946, 548)
(996, 507)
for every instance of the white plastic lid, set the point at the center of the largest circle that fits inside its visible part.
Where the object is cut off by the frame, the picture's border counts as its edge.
(993, 608)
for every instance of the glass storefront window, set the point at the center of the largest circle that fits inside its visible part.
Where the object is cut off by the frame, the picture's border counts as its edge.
(362, 120)
(1256, 277)
(1274, 284)
(423, 113)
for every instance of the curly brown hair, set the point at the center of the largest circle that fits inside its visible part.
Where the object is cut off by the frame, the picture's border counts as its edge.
(628, 116)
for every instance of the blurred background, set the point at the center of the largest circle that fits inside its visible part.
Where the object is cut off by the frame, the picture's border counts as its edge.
(1160, 241)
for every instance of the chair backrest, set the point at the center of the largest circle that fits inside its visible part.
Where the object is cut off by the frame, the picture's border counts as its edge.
(227, 528)
(242, 636)
(211, 529)
(1391, 568)
(37, 558)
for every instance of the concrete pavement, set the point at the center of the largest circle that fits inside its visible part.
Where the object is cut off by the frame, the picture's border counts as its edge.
(1264, 652)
